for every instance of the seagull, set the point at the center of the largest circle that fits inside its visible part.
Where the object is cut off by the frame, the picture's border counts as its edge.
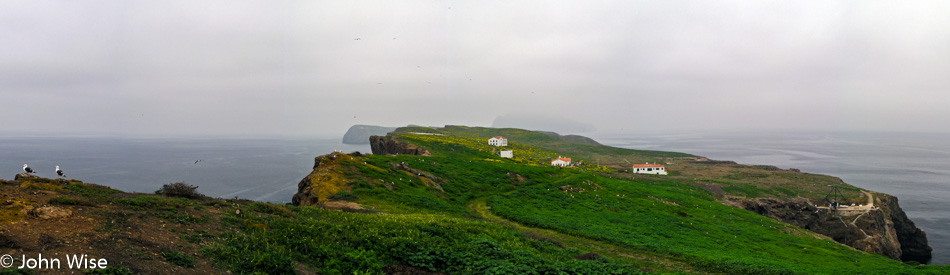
(60, 172)
(26, 168)
(197, 161)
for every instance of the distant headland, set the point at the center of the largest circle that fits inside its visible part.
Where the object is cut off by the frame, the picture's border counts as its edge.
(359, 134)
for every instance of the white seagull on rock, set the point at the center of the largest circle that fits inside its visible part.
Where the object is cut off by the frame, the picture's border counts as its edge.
(60, 172)
(26, 168)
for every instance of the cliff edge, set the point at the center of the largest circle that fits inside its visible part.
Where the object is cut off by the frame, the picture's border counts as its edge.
(326, 179)
(883, 230)
(913, 240)
(382, 145)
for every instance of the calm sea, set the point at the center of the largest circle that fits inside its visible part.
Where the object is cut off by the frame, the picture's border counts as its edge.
(256, 169)
(913, 167)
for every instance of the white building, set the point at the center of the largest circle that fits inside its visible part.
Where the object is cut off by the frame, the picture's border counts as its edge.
(507, 154)
(656, 169)
(562, 162)
(498, 141)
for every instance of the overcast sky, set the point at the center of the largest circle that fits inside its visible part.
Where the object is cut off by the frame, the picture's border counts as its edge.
(298, 68)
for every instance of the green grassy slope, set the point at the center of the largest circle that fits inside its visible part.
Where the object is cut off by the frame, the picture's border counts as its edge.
(682, 221)
(334, 242)
(653, 215)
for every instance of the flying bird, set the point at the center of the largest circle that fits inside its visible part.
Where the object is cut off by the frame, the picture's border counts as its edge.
(196, 162)
(59, 172)
(26, 168)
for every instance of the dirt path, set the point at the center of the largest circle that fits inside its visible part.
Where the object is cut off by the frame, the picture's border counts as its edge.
(870, 203)
(859, 210)
(866, 207)
(643, 259)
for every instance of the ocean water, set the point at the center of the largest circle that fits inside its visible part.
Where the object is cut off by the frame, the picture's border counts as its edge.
(256, 169)
(913, 167)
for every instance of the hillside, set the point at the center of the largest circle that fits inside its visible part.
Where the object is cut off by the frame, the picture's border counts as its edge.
(453, 206)
(693, 220)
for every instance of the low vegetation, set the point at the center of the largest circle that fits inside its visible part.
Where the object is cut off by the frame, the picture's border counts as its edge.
(180, 189)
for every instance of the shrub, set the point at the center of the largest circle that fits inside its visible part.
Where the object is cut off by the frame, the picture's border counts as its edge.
(180, 189)
(179, 259)
(270, 208)
(343, 195)
(70, 201)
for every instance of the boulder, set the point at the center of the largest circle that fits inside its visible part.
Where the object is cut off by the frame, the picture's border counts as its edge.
(50, 212)
(23, 176)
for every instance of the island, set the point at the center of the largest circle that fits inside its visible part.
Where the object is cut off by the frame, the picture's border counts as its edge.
(442, 200)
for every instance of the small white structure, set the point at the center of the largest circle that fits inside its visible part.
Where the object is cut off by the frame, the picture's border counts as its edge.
(507, 154)
(498, 141)
(562, 162)
(656, 169)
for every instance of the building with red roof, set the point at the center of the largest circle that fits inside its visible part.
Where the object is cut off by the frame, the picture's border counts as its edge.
(560, 161)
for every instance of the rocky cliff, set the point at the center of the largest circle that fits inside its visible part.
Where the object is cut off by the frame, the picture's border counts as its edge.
(359, 134)
(382, 145)
(913, 240)
(884, 230)
(326, 179)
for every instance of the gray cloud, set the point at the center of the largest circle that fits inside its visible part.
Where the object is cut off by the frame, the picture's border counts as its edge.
(317, 67)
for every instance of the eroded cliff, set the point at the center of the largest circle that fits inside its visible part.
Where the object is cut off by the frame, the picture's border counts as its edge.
(883, 229)
(383, 145)
(326, 179)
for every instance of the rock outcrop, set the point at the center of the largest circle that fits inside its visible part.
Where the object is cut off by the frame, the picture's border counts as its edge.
(913, 240)
(24, 176)
(50, 212)
(326, 179)
(885, 231)
(382, 145)
(425, 177)
(359, 134)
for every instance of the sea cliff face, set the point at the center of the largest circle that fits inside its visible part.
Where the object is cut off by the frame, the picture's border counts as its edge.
(913, 240)
(885, 230)
(382, 145)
